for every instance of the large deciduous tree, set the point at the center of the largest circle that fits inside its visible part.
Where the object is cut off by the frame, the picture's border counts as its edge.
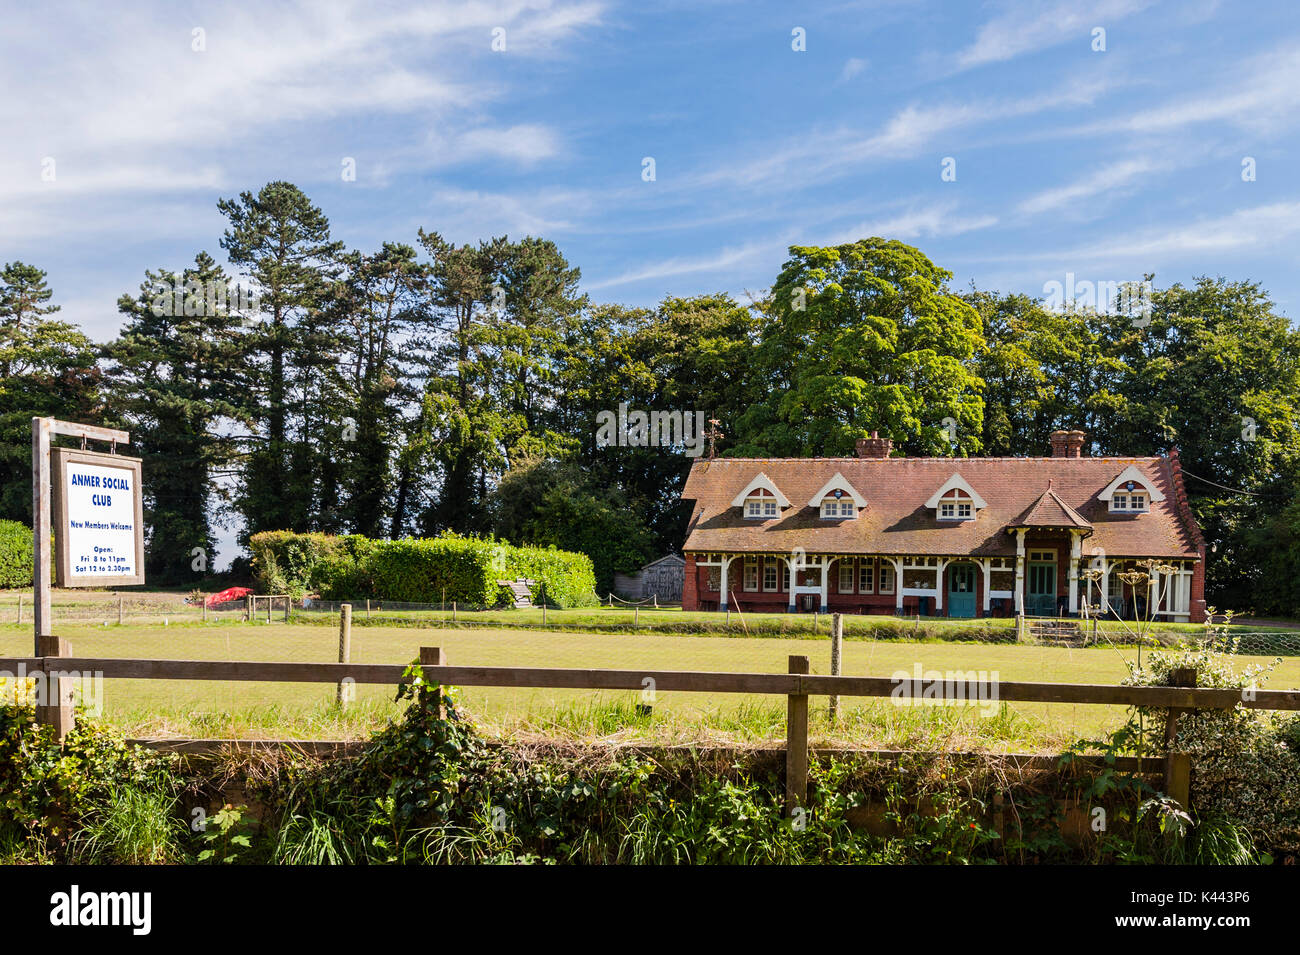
(866, 336)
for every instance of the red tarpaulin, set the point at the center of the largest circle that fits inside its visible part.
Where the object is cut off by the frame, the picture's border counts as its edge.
(226, 596)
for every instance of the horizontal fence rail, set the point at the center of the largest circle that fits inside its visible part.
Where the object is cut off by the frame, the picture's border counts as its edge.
(59, 666)
(699, 681)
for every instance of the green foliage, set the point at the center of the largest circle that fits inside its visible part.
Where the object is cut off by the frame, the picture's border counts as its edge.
(226, 837)
(450, 567)
(174, 375)
(48, 792)
(550, 503)
(287, 562)
(466, 569)
(15, 554)
(865, 336)
(135, 825)
(47, 368)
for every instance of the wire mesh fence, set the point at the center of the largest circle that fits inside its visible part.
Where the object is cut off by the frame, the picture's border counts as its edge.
(168, 626)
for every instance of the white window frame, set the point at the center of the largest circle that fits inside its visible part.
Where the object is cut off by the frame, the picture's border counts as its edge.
(887, 572)
(769, 567)
(845, 565)
(750, 580)
(785, 576)
(867, 571)
(956, 509)
(838, 509)
(1130, 502)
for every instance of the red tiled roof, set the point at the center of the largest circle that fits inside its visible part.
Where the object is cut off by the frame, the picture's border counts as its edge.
(1050, 511)
(896, 521)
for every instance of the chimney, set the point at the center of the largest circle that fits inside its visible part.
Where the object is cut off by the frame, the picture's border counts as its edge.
(875, 446)
(1067, 444)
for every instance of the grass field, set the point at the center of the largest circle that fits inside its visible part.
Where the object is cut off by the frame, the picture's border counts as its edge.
(166, 708)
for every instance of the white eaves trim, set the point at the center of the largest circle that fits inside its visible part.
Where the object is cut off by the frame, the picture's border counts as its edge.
(1131, 473)
(762, 481)
(955, 482)
(837, 482)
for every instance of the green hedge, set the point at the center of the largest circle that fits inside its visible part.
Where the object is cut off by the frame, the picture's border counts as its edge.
(449, 567)
(285, 562)
(15, 554)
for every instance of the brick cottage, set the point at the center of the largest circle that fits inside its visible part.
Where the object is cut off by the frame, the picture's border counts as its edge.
(956, 537)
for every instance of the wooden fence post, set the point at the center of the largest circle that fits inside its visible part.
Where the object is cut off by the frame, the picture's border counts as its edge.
(347, 689)
(57, 711)
(796, 742)
(434, 657)
(121, 607)
(1178, 766)
(20, 608)
(367, 608)
(837, 649)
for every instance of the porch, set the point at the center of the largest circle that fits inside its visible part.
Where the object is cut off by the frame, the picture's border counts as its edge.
(1046, 577)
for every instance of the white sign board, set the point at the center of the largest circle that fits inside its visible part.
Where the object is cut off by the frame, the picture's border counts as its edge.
(98, 519)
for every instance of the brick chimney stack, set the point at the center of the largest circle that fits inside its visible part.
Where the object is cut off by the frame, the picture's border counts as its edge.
(1067, 444)
(874, 446)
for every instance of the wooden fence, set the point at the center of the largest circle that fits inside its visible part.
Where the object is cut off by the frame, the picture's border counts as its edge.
(796, 685)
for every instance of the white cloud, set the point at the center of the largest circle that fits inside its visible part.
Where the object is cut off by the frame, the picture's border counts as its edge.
(1030, 27)
(853, 66)
(1108, 179)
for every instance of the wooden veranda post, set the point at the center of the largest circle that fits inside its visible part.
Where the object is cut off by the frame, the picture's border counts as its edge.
(796, 742)
(1178, 766)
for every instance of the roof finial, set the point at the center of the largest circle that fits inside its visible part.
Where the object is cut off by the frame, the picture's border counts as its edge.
(713, 434)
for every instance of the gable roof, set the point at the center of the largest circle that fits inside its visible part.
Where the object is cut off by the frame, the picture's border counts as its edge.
(955, 482)
(1130, 473)
(897, 521)
(837, 481)
(761, 480)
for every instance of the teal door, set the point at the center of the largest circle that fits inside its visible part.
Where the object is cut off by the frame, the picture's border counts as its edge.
(961, 590)
(1040, 599)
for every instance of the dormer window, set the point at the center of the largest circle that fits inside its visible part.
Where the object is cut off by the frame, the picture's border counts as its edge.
(956, 508)
(838, 500)
(760, 499)
(956, 500)
(761, 505)
(1132, 492)
(838, 507)
(1131, 502)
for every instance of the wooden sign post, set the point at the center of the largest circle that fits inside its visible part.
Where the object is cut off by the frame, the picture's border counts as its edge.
(84, 488)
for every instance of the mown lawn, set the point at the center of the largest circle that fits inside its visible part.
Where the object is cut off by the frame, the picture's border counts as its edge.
(150, 708)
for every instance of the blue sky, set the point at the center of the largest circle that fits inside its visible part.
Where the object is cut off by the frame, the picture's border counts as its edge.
(1106, 164)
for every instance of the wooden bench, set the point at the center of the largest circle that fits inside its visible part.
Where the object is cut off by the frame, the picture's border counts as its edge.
(520, 590)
